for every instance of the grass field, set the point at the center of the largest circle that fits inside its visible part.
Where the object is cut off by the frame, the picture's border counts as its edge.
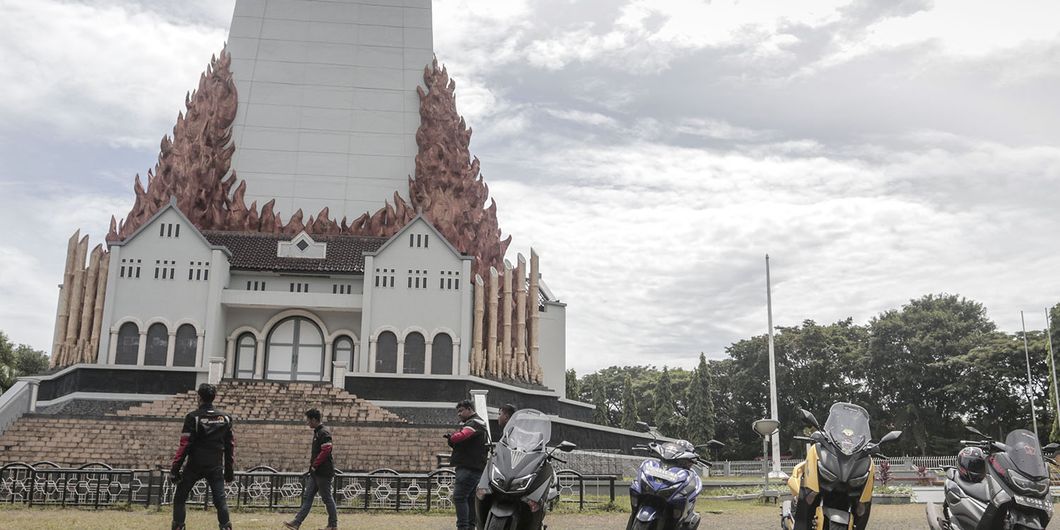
(716, 516)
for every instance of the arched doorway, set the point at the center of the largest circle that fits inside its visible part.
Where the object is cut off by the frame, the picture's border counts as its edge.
(295, 351)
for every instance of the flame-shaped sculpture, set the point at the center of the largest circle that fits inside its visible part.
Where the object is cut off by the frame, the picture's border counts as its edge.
(192, 167)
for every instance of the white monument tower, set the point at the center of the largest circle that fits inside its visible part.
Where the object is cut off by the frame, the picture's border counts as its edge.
(328, 110)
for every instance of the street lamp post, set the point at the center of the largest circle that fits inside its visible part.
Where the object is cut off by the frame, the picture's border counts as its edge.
(765, 428)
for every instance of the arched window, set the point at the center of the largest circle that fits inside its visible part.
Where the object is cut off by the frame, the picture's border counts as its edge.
(415, 353)
(386, 353)
(157, 344)
(442, 354)
(187, 344)
(246, 351)
(343, 351)
(128, 344)
(295, 351)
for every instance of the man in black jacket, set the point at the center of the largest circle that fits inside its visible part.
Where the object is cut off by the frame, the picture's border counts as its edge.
(209, 446)
(469, 459)
(321, 473)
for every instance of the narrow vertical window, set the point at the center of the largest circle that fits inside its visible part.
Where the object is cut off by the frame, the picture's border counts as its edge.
(419, 240)
(410, 282)
(412, 240)
(170, 231)
(178, 231)
(457, 287)
(206, 275)
(248, 285)
(451, 283)
(162, 230)
(426, 240)
(441, 283)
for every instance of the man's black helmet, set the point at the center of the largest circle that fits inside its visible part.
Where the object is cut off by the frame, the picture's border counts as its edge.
(971, 464)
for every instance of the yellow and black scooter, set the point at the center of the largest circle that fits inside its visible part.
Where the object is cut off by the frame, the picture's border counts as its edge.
(832, 488)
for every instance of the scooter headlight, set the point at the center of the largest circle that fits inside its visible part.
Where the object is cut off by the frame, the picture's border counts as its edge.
(521, 483)
(1026, 485)
(496, 478)
(826, 475)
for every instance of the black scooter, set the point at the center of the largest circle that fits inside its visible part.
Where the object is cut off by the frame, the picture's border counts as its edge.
(519, 480)
(1009, 489)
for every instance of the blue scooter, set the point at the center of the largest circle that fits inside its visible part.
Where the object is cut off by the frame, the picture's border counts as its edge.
(663, 495)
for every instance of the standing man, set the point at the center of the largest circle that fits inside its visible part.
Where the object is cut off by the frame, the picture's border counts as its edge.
(321, 473)
(469, 459)
(208, 445)
(504, 414)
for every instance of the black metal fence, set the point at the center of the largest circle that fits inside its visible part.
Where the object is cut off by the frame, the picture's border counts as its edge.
(98, 485)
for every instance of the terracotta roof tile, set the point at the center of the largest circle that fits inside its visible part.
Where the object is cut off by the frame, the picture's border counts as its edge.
(252, 251)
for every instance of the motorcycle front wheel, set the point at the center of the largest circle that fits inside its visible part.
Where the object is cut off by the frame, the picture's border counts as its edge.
(497, 523)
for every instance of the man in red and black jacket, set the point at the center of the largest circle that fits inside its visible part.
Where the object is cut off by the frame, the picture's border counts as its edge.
(469, 459)
(321, 473)
(209, 447)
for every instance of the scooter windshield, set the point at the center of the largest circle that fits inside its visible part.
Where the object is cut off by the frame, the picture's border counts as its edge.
(848, 427)
(527, 430)
(1026, 453)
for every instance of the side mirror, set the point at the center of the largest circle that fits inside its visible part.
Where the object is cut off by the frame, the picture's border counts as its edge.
(566, 446)
(643, 427)
(809, 419)
(1051, 448)
(818, 437)
(891, 436)
(973, 430)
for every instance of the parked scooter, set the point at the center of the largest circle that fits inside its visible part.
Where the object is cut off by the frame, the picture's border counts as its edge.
(832, 488)
(663, 495)
(522, 483)
(997, 485)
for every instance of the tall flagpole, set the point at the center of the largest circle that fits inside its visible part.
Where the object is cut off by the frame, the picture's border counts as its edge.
(1052, 366)
(1030, 393)
(772, 373)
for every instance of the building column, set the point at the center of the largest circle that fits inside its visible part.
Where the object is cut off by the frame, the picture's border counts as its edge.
(216, 370)
(371, 355)
(427, 356)
(230, 358)
(259, 360)
(199, 343)
(141, 350)
(401, 357)
(328, 355)
(112, 347)
(456, 361)
(171, 346)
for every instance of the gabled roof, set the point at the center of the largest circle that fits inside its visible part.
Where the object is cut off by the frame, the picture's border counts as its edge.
(401, 234)
(186, 222)
(255, 251)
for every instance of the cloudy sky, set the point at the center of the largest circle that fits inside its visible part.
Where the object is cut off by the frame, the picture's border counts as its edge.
(652, 151)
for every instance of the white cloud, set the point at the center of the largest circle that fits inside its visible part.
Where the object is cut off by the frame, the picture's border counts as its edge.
(110, 73)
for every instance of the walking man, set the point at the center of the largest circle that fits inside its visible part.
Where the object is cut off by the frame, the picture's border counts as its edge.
(469, 459)
(208, 446)
(321, 473)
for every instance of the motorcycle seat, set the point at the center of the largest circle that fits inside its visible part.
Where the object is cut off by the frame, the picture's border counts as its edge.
(976, 490)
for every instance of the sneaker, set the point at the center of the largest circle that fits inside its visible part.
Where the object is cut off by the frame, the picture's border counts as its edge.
(291, 525)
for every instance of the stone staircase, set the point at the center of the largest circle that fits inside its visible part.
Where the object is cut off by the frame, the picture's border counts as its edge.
(270, 430)
(267, 400)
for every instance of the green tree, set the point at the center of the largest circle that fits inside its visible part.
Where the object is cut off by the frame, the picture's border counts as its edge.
(18, 361)
(629, 405)
(572, 385)
(700, 404)
(666, 417)
(912, 353)
(1054, 329)
(602, 412)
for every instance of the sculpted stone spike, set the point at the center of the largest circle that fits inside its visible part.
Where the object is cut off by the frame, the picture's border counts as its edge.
(506, 319)
(536, 373)
(491, 324)
(522, 371)
(97, 319)
(477, 355)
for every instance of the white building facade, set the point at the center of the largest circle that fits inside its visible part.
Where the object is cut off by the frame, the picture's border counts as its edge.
(298, 308)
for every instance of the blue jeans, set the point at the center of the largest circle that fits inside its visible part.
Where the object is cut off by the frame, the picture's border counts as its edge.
(464, 496)
(313, 484)
(215, 479)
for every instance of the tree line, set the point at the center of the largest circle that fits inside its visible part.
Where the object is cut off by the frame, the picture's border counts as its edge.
(928, 368)
(17, 361)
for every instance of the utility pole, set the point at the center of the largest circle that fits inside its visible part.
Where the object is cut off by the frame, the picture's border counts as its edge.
(775, 436)
(1030, 393)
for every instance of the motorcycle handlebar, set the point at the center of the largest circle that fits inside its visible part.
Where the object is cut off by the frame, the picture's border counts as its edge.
(559, 460)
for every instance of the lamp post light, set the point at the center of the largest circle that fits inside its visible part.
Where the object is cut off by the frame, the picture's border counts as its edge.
(765, 428)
